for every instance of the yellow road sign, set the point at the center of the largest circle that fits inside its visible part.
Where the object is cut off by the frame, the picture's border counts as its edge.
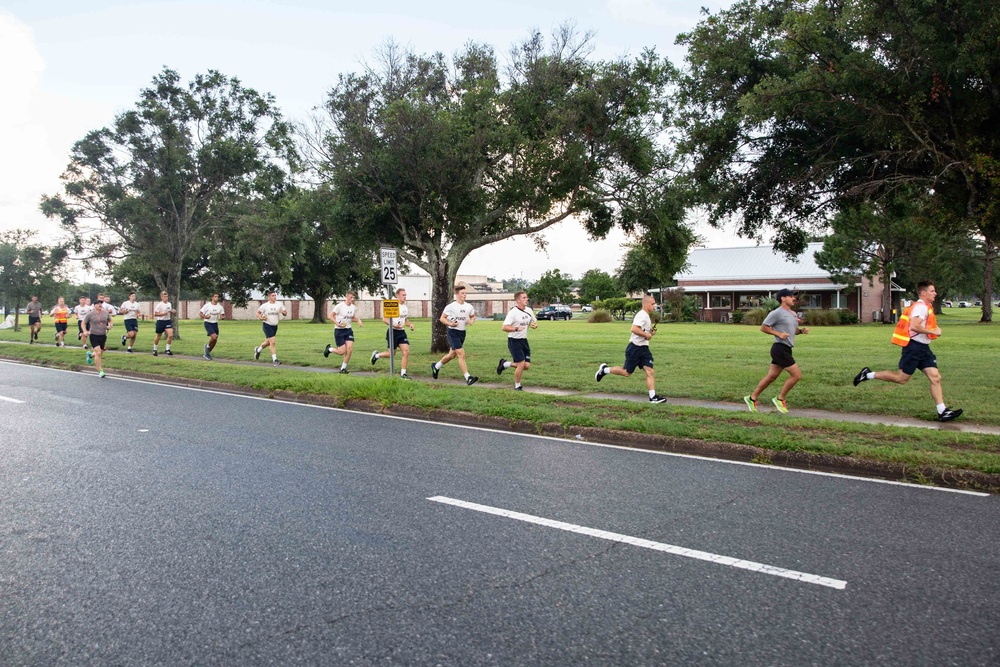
(390, 308)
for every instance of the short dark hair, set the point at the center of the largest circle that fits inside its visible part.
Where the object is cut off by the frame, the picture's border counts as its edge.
(923, 286)
(459, 288)
(131, 293)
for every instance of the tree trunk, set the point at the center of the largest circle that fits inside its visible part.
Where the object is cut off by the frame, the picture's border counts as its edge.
(443, 287)
(990, 254)
(320, 292)
(887, 294)
(174, 294)
(17, 316)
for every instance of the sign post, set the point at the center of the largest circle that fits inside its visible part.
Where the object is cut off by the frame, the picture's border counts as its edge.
(390, 307)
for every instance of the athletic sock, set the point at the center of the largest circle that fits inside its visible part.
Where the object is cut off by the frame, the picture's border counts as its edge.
(343, 365)
(517, 385)
(467, 376)
(154, 348)
(274, 357)
(130, 347)
(870, 376)
(402, 371)
(168, 346)
(439, 365)
(652, 393)
(941, 408)
(508, 364)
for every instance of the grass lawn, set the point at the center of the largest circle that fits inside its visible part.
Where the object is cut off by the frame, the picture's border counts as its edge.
(720, 362)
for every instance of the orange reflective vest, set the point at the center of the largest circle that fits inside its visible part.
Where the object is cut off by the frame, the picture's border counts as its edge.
(61, 314)
(901, 334)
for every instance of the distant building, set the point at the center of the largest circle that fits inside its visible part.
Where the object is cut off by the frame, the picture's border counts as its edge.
(723, 280)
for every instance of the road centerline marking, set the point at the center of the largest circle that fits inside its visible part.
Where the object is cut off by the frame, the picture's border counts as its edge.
(730, 561)
(10, 400)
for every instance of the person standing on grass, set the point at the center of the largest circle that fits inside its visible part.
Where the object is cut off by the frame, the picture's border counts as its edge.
(96, 326)
(518, 321)
(269, 314)
(396, 337)
(457, 316)
(212, 312)
(637, 353)
(34, 312)
(343, 314)
(81, 313)
(163, 312)
(916, 328)
(783, 324)
(61, 315)
(130, 318)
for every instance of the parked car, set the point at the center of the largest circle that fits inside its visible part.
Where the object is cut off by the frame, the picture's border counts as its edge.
(557, 312)
(587, 309)
(963, 304)
(977, 303)
(946, 304)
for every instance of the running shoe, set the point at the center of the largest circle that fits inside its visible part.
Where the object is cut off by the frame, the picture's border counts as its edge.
(31, 341)
(471, 380)
(950, 414)
(518, 388)
(374, 357)
(90, 358)
(129, 351)
(155, 353)
(123, 340)
(601, 372)
(256, 354)
(169, 353)
(751, 404)
(435, 370)
(275, 363)
(344, 371)
(500, 368)
(208, 353)
(656, 398)
(862, 376)
(781, 405)
(404, 376)
(101, 374)
(79, 335)
(327, 350)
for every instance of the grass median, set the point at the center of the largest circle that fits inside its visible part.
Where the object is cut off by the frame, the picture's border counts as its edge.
(707, 361)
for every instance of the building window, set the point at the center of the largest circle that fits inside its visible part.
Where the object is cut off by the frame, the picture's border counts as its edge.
(838, 300)
(752, 300)
(721, 301)
(811, 301)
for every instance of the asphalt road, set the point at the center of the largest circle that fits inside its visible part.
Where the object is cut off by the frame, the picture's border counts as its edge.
(144, 524)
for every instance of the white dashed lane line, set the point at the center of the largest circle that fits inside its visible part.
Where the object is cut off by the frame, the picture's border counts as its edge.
(729, 561)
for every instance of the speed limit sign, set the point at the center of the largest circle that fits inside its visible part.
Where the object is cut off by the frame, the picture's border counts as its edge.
(390, 276)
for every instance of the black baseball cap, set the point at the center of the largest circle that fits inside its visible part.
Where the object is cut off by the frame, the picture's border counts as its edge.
(787, 292)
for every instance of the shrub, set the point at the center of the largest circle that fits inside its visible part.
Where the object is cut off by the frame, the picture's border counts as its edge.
(847, 317)
(600, 315)
(755, 317)
(738, 317)
(821, 318)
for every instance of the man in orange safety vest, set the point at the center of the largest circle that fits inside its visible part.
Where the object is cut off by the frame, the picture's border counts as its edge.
(916, 328)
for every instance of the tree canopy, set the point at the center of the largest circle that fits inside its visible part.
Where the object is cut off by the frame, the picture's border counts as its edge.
(28, 268)
(596, 284)
(794, 110)
(169, 181)
(552, 287)
(439, 157)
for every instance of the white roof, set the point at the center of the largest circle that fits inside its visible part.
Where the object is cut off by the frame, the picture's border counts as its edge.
(751, 263)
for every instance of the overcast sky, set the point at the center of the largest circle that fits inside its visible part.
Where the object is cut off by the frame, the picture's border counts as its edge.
(69, 67)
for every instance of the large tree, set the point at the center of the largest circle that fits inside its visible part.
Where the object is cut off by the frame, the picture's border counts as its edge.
(188, 162)
(596, 285)
(439, 157)
(28, 268)
(795, 109)
(552, 287)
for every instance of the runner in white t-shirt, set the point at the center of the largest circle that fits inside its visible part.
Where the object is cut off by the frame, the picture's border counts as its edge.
(81, 311)
(637, 354)
(212, 312)
(396, 337)
(269, 313)
(130, 318)
(457, 316)
(163, 313)
(518, 321)
(343, 315)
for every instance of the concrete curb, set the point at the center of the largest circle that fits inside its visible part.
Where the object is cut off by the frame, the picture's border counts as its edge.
(948, 478)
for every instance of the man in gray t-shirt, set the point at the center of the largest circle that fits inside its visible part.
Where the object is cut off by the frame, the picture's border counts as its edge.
(34, 313)
(783, 324)
(96, 325)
